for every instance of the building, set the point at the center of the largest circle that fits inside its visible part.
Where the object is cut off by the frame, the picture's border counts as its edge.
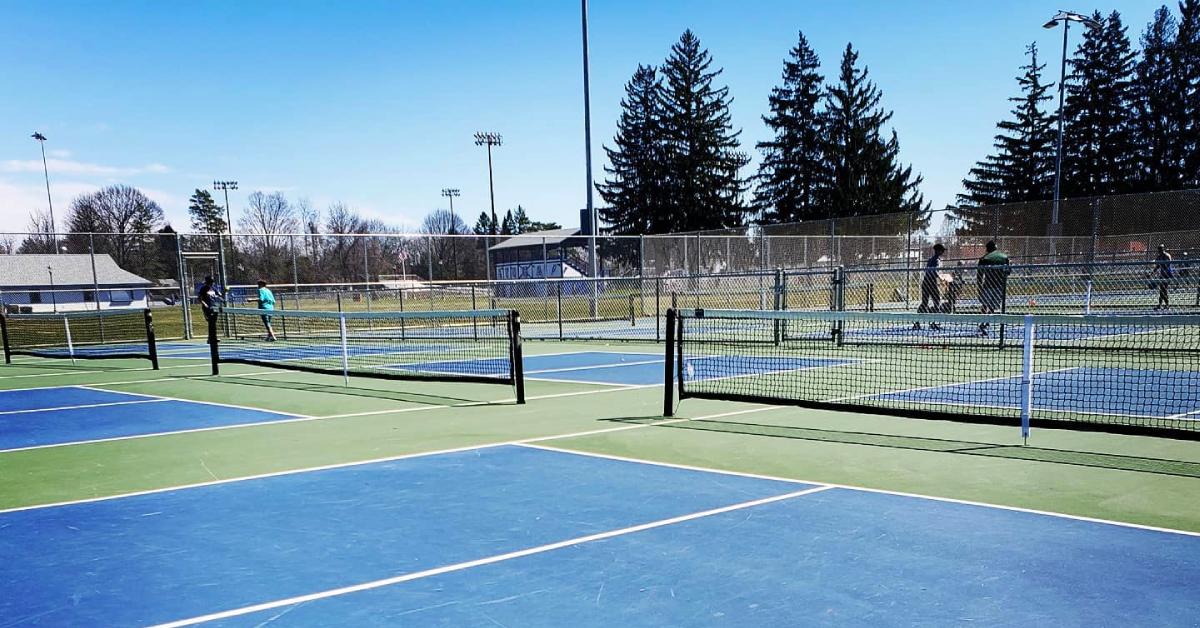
(48, 283)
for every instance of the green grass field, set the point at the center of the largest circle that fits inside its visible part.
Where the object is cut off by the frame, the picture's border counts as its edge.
(1138, 479)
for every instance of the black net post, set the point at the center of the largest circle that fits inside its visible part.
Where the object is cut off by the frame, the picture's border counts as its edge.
(518, 364)
(213, 352)
(669, 367)
(151, 343)
(4, 337)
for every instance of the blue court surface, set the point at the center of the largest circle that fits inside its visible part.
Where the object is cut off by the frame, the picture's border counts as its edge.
(39, 417)
(521, 536)
(623, 368)
(1118, 392)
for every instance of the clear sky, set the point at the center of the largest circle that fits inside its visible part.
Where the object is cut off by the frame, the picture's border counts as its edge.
(375, 103)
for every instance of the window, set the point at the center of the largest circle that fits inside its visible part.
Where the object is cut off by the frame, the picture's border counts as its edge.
(35, 297)
(89, 296)
(122, 296)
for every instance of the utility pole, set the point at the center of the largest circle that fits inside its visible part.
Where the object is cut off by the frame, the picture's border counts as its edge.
(225, 186)
(593, 250)
(490, 139)
(450, 193)
(46, 169)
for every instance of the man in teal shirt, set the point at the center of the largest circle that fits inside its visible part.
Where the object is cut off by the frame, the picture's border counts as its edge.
(266, 302)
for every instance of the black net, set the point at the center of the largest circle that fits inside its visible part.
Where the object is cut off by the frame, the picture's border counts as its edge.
(98, 334)
(472, 345)
(1125, 373)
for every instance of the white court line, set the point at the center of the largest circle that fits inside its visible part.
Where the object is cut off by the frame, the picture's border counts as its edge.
(340, 465)
(93, 372)
(82, 406)
(850, 487)
(206, 403)
(541, 549)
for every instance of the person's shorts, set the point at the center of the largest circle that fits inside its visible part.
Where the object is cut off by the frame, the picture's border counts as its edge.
(266, 319)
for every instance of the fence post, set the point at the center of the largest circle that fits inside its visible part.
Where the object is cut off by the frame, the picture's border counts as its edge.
(779, 304)
(429, 243)
(658, 307)
(183, 289)
(366, 261)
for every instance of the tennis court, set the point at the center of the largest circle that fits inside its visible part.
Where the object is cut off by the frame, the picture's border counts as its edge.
(380, 470)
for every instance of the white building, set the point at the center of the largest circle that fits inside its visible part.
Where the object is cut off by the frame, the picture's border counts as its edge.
(46, 283)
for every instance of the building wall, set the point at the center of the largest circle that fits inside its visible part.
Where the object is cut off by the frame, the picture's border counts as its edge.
(42, 299)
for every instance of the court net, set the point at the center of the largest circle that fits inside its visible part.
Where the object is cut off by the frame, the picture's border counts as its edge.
(1118, 373)
(467, 346)
(91, 334)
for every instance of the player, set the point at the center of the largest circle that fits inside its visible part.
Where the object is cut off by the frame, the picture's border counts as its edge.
(1162, 273)
(266, 303)
(992, 277)
(954, 289)
(210, 298)
(930, 290)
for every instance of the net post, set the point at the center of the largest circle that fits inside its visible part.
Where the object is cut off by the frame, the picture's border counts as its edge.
(1027, 377)
(559, 284)
(4, 337)
(213, 353)
(669, 366)
(70, 345)
(474, 321)
(345, 349)
(518, 360)
(151, 342)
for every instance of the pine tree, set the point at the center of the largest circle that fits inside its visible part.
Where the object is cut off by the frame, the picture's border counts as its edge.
(1159, 103)
(793, 176)
(866, 178)
(1099, 152)
(508, 226)
(701, 161)
(633, 193)
(207, 216)
(1022, 168)
(1186, 64)
(483, 225)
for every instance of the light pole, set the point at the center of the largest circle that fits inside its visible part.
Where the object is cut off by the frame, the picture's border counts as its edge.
(593, 251)
(225, 186)
(450, 193)
(1066, 17)
(46, 169)
(490, 139)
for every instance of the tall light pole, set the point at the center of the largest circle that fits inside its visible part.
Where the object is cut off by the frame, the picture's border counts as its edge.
(46, 169)
(489, 139)
(1066, 17)
(450, 193)
(593, 252)
(225, 186)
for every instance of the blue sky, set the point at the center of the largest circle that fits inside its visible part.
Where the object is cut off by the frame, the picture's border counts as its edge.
(375, 103)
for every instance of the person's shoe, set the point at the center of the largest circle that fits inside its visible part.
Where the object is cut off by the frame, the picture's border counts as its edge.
(935, 327)
(916, 326)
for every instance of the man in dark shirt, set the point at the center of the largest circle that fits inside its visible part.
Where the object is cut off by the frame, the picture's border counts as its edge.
(209, 298)
(930, 291)
(992, 277)
(1162, 273)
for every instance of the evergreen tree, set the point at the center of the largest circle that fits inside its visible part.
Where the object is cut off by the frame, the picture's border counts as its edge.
(207, 216)
(701, 162)
(1186, 57)
(483, 225)
(508, 226)
(1022, 168)
(1159, 103)
(793, 175)
(866, 178)
(1099, 152)
(635, 202)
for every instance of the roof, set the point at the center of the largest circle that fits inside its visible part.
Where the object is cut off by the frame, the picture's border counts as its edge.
(535, 238)
(69, 270)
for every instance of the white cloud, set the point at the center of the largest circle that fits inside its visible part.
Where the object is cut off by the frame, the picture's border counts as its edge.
(60, 153)
(19, 200)
(79, 168)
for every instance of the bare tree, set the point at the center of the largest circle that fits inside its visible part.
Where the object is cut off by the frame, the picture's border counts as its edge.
(123, 220)
(450, 254)
(265, 219)
(39, 239)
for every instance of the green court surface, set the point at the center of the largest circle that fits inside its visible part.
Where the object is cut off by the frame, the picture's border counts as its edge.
(1136, 479)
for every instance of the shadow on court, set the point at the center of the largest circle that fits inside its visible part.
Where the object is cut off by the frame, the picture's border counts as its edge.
(1138, 464)
(356, 391)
